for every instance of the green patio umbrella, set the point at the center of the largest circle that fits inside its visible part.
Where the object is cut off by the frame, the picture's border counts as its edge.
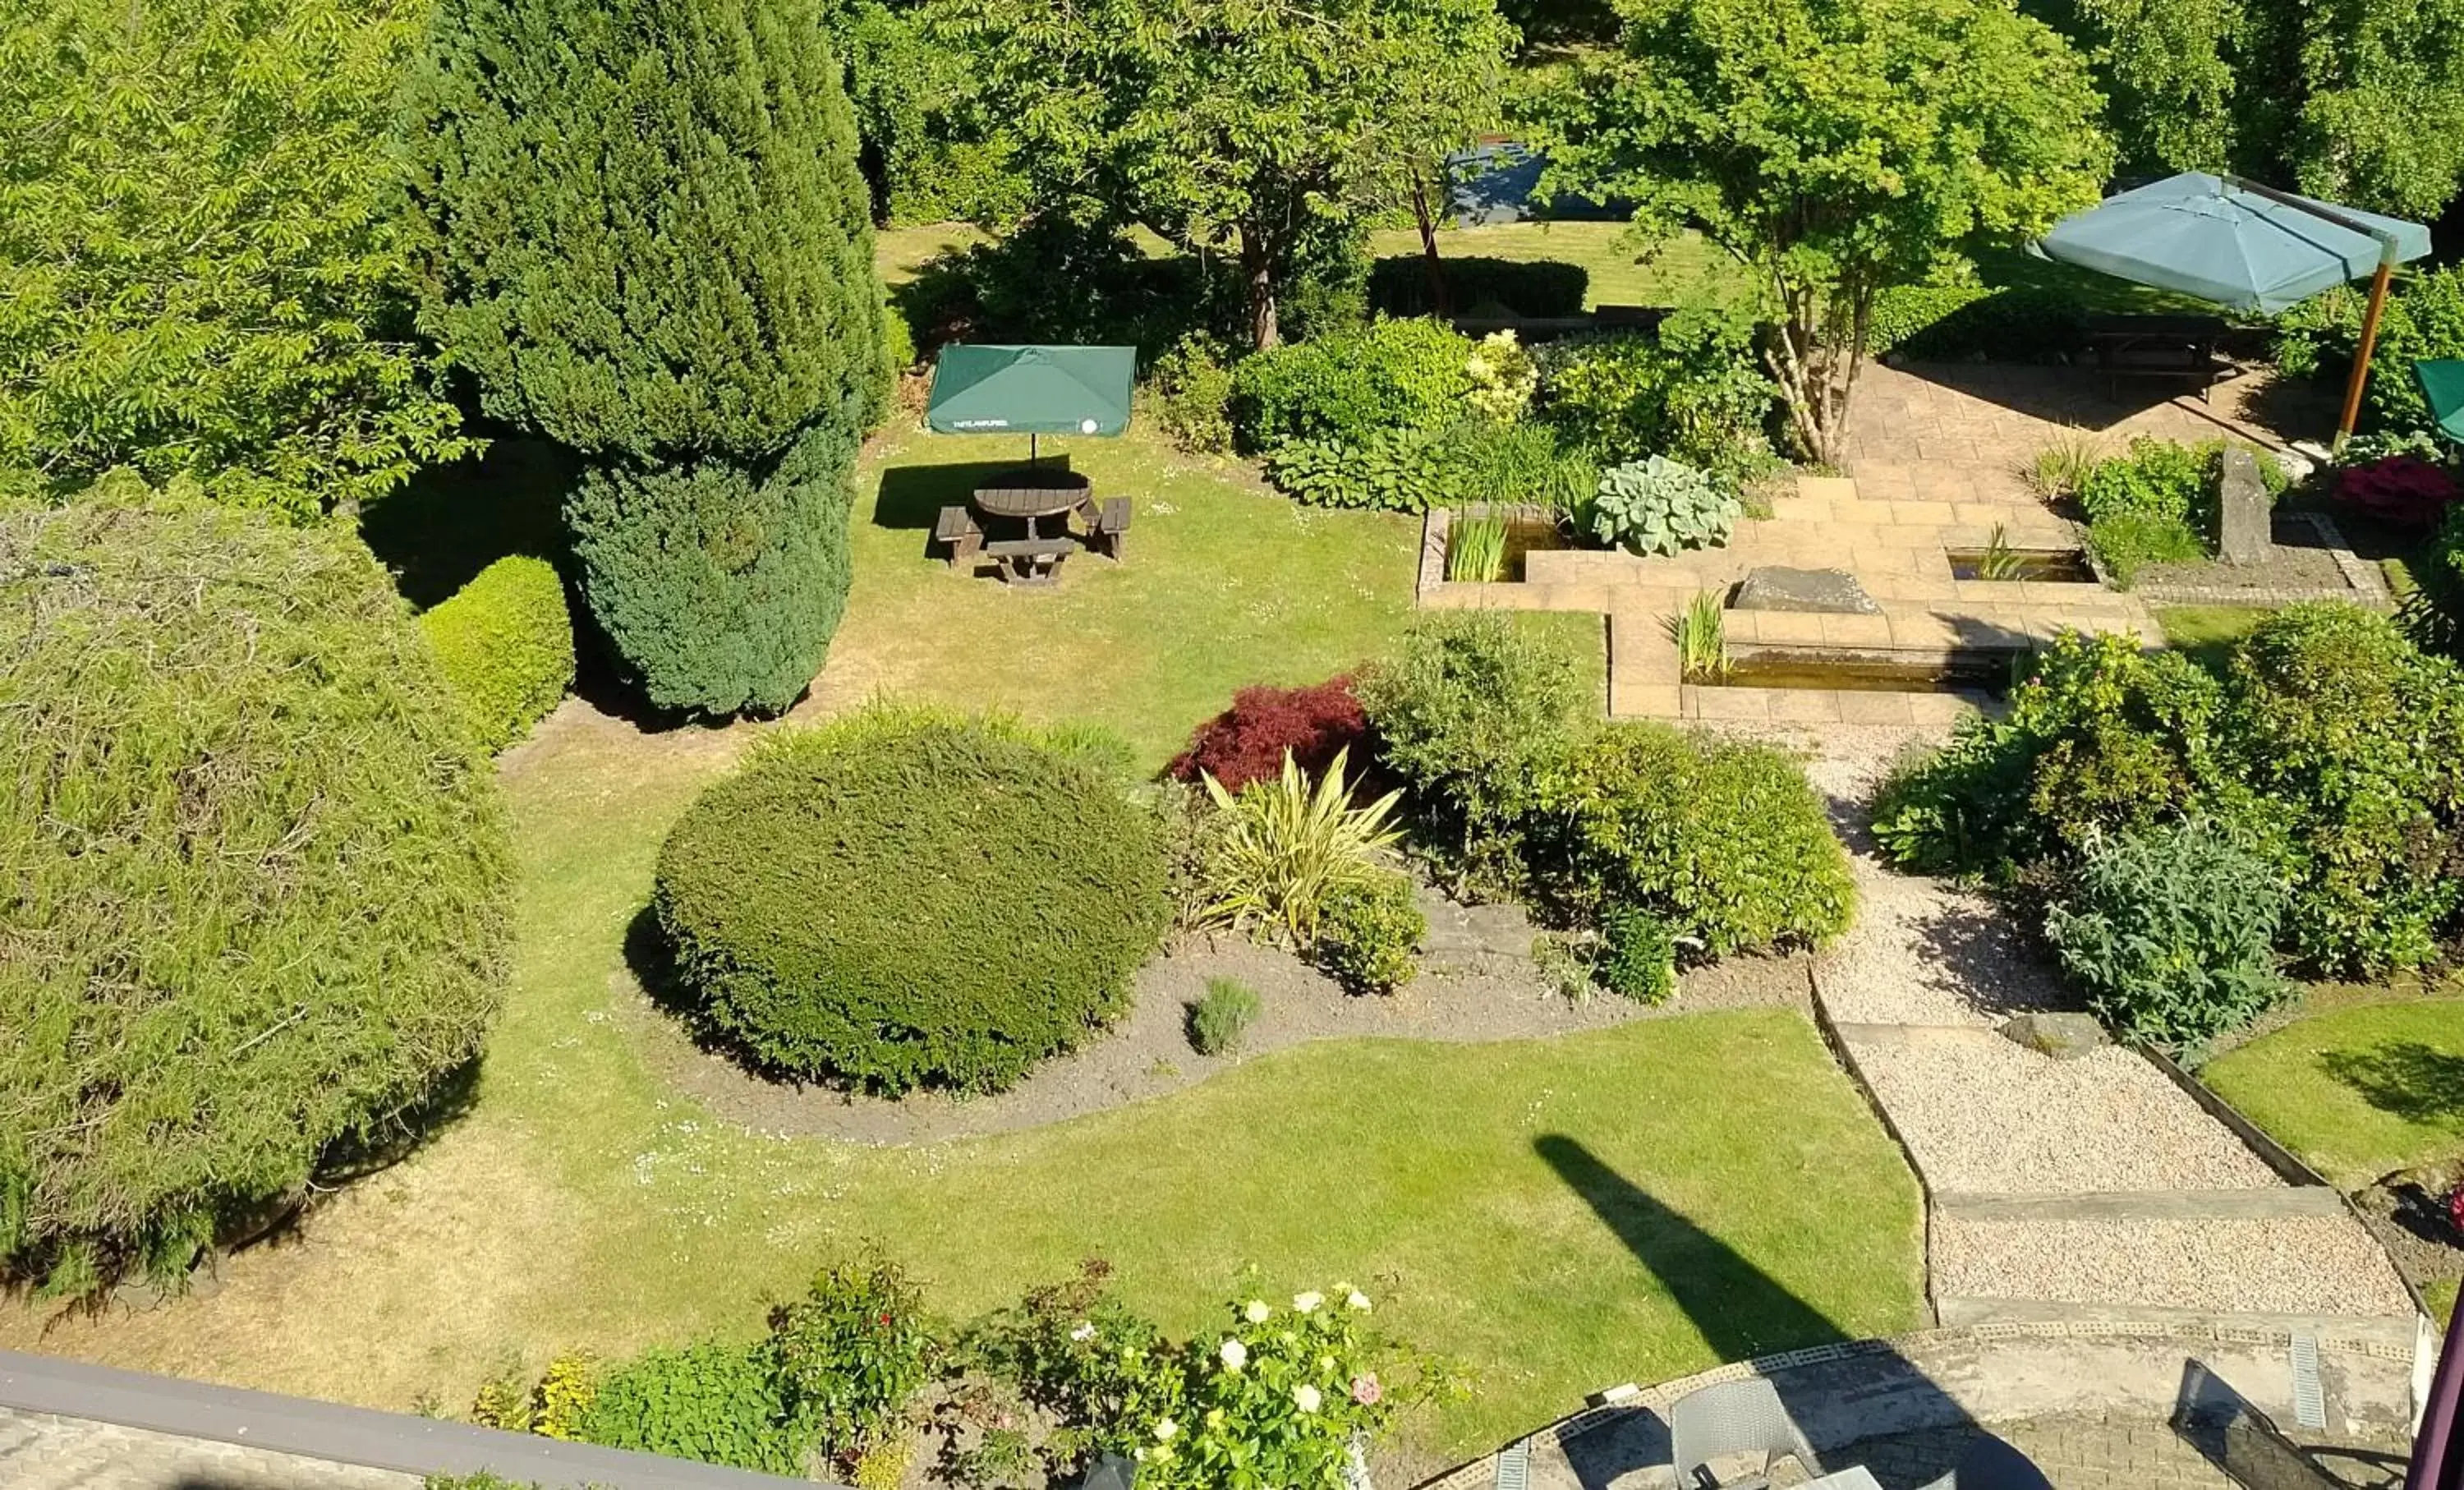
(2243, 245)
(1032, 390)
(2442, 385)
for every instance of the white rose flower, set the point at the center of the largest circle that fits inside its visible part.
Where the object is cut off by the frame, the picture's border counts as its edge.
(1306, 1397)
(1256, 1311)
(1235, 1355)
(1164, 1429)
(1084, 1332)
(1308, 1303)
(1358, 1300)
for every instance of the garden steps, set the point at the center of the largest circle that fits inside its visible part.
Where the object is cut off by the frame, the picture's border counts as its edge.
(2322, 1264)
(2386, 1332)
(2158, 1205)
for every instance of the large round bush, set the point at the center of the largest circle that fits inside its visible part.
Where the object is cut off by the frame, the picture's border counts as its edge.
(255, 872)
(901, 898)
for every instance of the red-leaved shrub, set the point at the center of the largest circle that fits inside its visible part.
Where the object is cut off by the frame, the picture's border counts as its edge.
(2404, 490)
(1246, 741)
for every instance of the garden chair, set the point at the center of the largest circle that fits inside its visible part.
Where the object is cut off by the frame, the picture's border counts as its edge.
(1991, 1465)
(1734, 1417)
(1112, 525)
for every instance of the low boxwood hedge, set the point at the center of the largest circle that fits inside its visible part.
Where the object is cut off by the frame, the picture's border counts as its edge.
(907, 897)
(506, 642)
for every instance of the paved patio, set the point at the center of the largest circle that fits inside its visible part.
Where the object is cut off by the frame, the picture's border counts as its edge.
(1936, 456)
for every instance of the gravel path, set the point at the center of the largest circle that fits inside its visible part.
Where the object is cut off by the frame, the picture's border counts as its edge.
(2323, 1264)
(1982, 1114)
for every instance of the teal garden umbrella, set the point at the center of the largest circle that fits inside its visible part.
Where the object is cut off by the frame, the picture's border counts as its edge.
(2242, 245)
(1032, 390)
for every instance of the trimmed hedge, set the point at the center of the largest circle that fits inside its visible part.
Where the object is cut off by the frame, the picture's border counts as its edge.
(907, 897)
(506, 644)
(268, 864)
(1949, 322)
(1398, 285)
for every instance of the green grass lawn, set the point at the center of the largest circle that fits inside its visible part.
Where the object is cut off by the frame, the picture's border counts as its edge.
(1684, 265)
(1558, 1215)
(1226, 584)
(2209, 632)
(2357, 1091)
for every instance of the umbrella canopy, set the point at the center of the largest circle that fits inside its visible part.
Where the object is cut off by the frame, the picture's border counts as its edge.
(2227, 242)
(2442, 384)
(1032, 390)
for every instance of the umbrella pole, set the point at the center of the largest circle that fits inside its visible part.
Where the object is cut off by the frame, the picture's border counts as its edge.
(2361, 353)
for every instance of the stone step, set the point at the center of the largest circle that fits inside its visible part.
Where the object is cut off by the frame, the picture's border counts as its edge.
(2383, 1333)
(2164, 1205)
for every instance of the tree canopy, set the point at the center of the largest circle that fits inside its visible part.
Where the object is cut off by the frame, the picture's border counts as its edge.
(1229, 127)
(2359, 102)
(200, 269)
(1834, 147)
(642, 230)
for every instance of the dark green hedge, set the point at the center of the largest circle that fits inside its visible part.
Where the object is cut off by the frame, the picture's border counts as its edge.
(2014, 323)
(267, 863)
(506, 644)
(906, 897)
(1398, 285)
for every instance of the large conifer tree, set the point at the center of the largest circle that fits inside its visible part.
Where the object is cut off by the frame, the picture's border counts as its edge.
(644, 233)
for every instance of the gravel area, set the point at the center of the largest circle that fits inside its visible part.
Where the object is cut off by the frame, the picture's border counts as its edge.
(1924, 951)
(1982, 1114)
(2324, 1264)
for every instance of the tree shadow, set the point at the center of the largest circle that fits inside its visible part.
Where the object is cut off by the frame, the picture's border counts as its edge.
(2407, 1078)
(913, 496)
(1741, 1310)
(450, 521)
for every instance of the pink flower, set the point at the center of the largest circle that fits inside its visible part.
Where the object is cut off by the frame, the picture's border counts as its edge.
(1365, 1390)
(2455, 1207)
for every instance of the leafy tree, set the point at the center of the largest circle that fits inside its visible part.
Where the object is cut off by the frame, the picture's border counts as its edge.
(258, 872)
(2362, 102)
(1233, 128)
(199, 268)
(644, 233)
(1833, 149)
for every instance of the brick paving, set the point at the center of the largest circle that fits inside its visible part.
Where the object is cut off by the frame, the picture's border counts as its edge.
(42, 1451)
(2101, 1451)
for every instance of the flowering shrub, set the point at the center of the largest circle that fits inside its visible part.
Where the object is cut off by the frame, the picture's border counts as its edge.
(1503, 377)
(2404, 490)
(1274, 1401)
(2455, 1207)
(1248, 741)
(852, 1350)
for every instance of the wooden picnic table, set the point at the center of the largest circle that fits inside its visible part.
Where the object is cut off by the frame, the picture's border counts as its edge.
(1033, 495)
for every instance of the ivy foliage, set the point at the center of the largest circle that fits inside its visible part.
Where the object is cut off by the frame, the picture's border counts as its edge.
(257, 874)
(201, 272)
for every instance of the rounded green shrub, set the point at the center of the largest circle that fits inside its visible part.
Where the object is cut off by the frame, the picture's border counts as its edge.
(1726, 839)
(904, 897)
(506, 643)
(1368, 932)
(2170, 929)
(1390, 375)
(256, 899)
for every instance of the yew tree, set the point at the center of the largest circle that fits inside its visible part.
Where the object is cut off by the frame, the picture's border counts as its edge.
(1225, 126)
(1834, 148)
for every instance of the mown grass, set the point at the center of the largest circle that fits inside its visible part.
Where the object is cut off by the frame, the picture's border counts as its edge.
(2208, 632)
(1554, 1215)
(2357, 1091)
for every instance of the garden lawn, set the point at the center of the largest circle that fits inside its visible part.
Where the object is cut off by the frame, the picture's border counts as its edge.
(2209, 632)
(1224, 584)
(2356, 1092)
(1686, 265)
(1557, 1215)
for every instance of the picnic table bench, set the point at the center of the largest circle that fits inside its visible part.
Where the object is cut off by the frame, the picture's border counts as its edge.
(1030, 560)
(1029, 498)
(2158, 346)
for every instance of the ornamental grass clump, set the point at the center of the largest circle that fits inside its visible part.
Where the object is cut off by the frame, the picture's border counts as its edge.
(907, 897)
(1279, 849)
(257, 875)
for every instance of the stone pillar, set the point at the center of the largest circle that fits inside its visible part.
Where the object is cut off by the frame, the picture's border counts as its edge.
(2245, 512)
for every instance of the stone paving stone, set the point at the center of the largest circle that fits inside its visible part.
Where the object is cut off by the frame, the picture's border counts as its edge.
(39, 1451)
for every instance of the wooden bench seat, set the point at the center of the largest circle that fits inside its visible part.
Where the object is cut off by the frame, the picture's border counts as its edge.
(957, 528)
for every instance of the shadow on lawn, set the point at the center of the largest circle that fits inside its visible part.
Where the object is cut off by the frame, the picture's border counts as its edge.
(911, 496)
(2414, 1082)
(1741, 1310)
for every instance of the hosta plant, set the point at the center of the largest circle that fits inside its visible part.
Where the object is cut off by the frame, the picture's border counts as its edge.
(1281, 848)
(1662, 506)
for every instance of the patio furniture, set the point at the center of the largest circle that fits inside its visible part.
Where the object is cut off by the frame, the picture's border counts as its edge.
(1030, 562)
(1735, 1418)
(1991, 1465)
(1111, 526)
(2158, 346)
(957, 530)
